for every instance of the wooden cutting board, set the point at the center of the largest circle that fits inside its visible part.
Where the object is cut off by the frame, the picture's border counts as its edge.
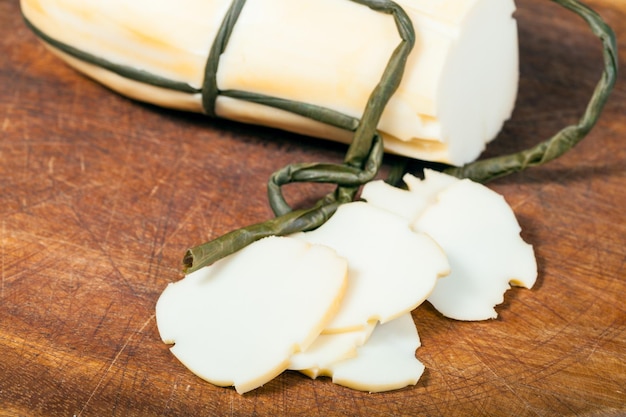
(100, 196)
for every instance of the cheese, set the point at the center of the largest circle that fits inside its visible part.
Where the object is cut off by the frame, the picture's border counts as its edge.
(459, 86)
(328, 349)
(238, 321)
(406, 204)
(481, 237)
(478, 232)
(385, 362)
(391, 269)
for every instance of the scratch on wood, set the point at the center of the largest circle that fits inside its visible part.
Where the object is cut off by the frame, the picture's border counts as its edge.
(2, 246)
(113, 362)
(113, 210)
(170, 399)
(5, 124)
(154, 190)
(51, 166)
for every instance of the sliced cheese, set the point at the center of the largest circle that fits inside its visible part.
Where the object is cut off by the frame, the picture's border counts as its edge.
(477, 230)
(396, 200)
(385, 362)
(391, 269)
(480, 235)
(238, 321)
(433, 183)
(407, 203)
(459, 86)
(328, 349)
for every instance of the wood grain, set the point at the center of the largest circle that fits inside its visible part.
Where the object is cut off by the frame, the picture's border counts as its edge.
(100, 196)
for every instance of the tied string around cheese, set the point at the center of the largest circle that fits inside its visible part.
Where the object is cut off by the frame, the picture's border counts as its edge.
(361, 163)
(364, 156)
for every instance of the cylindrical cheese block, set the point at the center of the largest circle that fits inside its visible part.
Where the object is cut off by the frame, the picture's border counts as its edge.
(458, 88)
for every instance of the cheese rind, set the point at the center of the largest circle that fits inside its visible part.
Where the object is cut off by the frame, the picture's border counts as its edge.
(207, 315)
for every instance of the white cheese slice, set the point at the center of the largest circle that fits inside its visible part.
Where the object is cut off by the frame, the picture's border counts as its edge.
(396, 200)
(238, 321)
(407, 203)
(391, 269)
(385, 362)
(481, 236)
(433, 183)
(328, 349)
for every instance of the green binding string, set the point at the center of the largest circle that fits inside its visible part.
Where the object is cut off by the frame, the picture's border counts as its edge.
(361, 163)
(210, 91)
(121, 70)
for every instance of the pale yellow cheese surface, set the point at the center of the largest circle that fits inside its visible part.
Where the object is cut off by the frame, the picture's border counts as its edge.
(391, 269)
(385, 362)
(238, 321)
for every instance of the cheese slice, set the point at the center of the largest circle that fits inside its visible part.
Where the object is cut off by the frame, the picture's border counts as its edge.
(238, 321)
(407, 203)
(480, 235)
(328, 349)
(385, 362)
(391, 269)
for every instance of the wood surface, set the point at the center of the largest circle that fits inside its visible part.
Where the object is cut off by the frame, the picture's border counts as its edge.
(100, 196)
